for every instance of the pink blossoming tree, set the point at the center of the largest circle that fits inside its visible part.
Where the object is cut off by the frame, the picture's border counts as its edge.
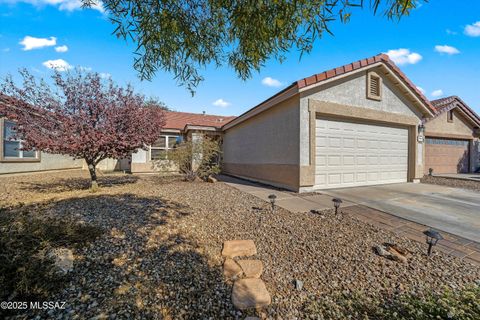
(80, 115)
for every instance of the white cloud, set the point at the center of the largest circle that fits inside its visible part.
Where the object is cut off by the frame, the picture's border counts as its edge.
(63, 5)
(404, 56)
(447, 49)
(451, 32)
(59, 65)
(63, 48)
(84, 69)
(473, 30)
(221, 103)
(437, 93)
(421, 90)
(30, 43)
(6, 50)
(105, 75)
(271, 82)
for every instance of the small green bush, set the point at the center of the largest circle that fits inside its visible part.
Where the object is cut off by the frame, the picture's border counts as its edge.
(193, 158)
(462, 304)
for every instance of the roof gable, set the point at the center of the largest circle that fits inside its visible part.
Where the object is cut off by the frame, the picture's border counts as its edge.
(397, 77)
(448, 103)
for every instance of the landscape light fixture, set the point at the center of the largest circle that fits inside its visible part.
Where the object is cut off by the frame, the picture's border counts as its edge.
(432, 238)
(337, 202)
(272, 198)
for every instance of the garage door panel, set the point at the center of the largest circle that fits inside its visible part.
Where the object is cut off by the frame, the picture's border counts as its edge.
(359, 154)
(447, 155)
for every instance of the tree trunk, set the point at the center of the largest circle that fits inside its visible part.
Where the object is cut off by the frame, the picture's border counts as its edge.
(93, 176)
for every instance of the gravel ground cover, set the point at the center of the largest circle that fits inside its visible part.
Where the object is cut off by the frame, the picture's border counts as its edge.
(159, 254)
(452, 182)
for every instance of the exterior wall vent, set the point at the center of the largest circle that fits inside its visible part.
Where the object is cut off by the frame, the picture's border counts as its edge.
(374, 86)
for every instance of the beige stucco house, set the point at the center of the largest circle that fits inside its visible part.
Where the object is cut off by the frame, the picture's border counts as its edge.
(364, 123)
(452, 138)
(178, 126)
(355, 125)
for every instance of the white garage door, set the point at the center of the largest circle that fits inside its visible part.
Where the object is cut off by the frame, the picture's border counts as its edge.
(352, 154)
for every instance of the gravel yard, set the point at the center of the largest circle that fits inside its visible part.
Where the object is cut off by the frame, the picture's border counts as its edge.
(159, 254)
(452, 182)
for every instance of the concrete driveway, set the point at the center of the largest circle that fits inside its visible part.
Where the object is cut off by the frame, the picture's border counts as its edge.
(453, 210)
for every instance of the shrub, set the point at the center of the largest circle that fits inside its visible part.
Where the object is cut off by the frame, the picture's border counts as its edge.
(194, 158)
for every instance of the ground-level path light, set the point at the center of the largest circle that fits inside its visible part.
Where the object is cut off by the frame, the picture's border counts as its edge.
(272, 199)
(432, 238)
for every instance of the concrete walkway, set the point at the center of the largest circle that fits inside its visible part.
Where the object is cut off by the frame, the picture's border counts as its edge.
(453, 210)
(290, 201)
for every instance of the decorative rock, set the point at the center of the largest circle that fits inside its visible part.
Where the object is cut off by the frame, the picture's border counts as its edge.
(251, 268)
(252, 318)
(239, 248)
(63, 259)
(211, 179)
(231, 270)
(381, 251)
(390, 253)
(250, 293)
(299, 285)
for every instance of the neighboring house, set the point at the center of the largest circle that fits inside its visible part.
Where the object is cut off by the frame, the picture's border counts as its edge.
(178, 126)
(355, 125)
(14, 160)
(452, 138)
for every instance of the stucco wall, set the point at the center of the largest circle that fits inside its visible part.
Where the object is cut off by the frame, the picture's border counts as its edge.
(47, 162)
(351, 91)
(459, 128)
(440, 125)
(265, 147)
(268, 138)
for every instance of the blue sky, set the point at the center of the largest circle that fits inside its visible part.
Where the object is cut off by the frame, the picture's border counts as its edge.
(441, 43)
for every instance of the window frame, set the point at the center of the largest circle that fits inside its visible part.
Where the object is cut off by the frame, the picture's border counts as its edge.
(20, 159)
(166, 148)
(450, 115)
(370, 75)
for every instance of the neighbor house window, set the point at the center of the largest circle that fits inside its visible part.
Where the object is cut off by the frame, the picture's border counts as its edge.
(12, 147)
(374, 86)
(450, 116)
(159, 150)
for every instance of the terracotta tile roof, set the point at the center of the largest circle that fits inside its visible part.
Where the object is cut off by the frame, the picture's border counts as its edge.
(178, 120)
(351, 67)
(332, 73)
(442, 103)
(446, 103)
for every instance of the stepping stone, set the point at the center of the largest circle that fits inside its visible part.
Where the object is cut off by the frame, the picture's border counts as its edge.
(249, 294)
(251, 268)
(231, 269)
(239, 248)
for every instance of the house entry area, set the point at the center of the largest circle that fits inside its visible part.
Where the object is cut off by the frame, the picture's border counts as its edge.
(350, 154)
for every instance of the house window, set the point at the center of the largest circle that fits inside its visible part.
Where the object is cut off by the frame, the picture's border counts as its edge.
(159, 150)
(374, 86)
(450, 116)
(12, 147)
